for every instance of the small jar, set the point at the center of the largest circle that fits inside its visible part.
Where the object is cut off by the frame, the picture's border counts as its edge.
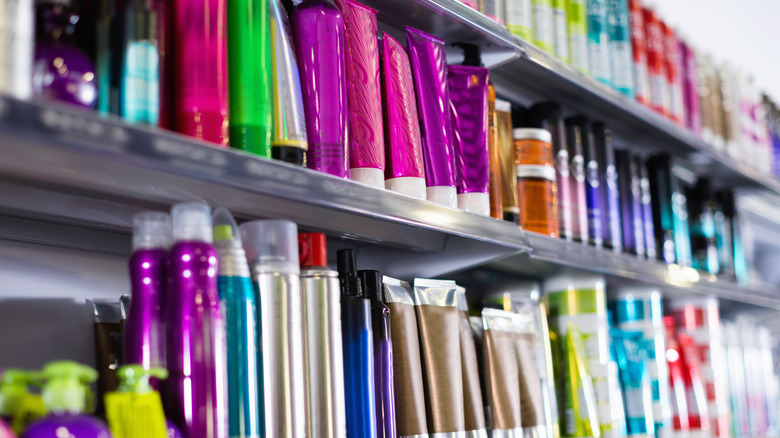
(536, 187)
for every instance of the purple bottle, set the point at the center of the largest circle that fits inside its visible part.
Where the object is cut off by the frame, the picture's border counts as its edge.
(318, 30)
(383, 354)
(65, 399)
(60, 70)
(196, 386)
(148, 269)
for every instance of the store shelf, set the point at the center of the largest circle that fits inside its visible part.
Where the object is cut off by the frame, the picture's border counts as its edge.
(525, 74)
(68, 166)
(549, 255)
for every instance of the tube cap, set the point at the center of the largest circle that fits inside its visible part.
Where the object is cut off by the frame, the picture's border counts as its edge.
(135, 378)
(350, 283)
(151, 229)
(312, 250)
(13, 389)
(272, 245)
(532, 134)
(226, 234)
(372, 285)
(407, 185)
(471, 53)
(192, 222)
(474, 202)
(65, 389)
(369, 176)
(444, 195)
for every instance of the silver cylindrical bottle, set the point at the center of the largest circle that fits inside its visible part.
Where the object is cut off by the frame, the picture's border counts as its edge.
(16, 47)
(272, 248)
(321, 292)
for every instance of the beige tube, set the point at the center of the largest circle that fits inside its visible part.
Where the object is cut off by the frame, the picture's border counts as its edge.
(436, 303)
(502, 383)
(474, 413)
(531, 398)
(411, 419)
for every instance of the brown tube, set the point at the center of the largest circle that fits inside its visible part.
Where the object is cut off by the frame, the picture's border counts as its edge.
(531, 400)
(437, 316)
(411, 419)
(506, 156)
(501, 370)
(474, 414)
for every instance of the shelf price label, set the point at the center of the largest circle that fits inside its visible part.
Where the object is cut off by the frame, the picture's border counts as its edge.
(84, 130)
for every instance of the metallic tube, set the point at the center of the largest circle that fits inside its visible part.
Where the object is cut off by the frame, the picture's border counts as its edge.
(364, 91)
(469, 95)
(318, 29)
(288, 140)
(404, 170)
(271, 245)
(16, 49)
(237, 298)
(249, 79)
(473, 407)
(325, 379)
(429, 68)
(502, 372)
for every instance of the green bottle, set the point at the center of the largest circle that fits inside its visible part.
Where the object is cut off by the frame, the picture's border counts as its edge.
(249, 76)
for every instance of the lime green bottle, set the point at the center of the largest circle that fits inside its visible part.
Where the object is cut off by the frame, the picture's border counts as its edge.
(249, 76)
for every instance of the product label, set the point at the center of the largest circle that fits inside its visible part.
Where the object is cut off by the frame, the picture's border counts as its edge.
(560, 26)
(535, 171)
(519, 18)
(537, 204)
(141, 83)
(595, 221)
(577, 18)
(635, 404)
(598, 46)
(543, 24)
(658, 93)
(562, 163)
(622, 67)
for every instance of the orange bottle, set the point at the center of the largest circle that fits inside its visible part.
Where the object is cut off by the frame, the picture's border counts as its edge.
(536, 188)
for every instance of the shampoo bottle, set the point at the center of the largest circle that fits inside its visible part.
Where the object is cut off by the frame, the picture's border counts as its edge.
(65, 396)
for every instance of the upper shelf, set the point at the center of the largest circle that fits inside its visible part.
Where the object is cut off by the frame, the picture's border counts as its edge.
(525, 74)
(72, 178)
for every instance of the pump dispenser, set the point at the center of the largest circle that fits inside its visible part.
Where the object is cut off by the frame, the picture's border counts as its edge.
(65, 398)
(237, 298)
(322, 339)
(135, 409)
(195, 327)
(357, 331)
(13, 389)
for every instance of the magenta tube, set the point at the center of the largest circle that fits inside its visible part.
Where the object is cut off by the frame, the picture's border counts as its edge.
(318, 30)
(690, 89)
(404, 171)
(429, 68)
(469, 95)
(364, 95)
(200, 92)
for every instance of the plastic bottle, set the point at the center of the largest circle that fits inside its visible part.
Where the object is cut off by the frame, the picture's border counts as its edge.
(61, 71)
(536, 185)
(65, 396)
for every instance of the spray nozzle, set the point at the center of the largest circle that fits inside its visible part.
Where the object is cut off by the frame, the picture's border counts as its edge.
(225, 229)
(151, 229)
(65, 386)
(350, 283)
(135, 378)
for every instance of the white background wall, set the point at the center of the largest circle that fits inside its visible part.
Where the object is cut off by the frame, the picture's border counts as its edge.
(744, 32)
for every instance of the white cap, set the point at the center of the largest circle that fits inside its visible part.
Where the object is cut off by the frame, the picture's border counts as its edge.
(407, 185)
(369, 176)
(444, 195)
(474, 202)
(271, 245)
(503, 106)
(192, 222)
(574, 282)
(532, 134)
(151, 229)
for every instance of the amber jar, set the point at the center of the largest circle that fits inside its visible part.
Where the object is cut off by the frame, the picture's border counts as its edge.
(536, 188)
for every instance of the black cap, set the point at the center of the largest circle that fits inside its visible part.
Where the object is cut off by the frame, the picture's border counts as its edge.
(542, 112)
(372, 284)
(472, 54)
(350, 283)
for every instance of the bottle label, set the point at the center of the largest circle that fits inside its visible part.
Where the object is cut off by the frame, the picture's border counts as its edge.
(622, 67)
(519, 18)
(561, 31)
(141, 83)
(543, 25)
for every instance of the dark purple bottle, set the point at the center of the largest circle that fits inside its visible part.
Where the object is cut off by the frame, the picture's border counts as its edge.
(630, 203)
(383, 354)
(60, 70)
